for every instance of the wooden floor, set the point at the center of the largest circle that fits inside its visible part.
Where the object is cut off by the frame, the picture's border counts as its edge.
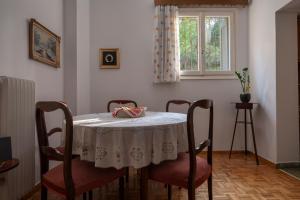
(236, 179)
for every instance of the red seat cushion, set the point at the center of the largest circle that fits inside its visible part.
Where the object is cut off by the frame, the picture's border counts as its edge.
(176, 172)
(85, 177)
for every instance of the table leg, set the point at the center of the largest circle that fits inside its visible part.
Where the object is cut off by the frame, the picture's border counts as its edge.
(91, 195)
(236, 118)
(245, 121)
(144, 183)
(253, 136)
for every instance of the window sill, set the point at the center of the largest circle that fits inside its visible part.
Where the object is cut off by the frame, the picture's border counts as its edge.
(208, 77)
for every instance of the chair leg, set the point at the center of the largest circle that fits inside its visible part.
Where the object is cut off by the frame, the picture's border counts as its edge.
(169, 192)
(144, 183)
(209, 182)
(127, 174)
(191, 194)
(44, 193)
(121, 188)
(91, 195)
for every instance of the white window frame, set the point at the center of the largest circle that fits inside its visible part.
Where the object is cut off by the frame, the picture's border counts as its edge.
(202, 13)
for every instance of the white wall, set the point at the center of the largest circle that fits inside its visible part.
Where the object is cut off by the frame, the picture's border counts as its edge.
(287, 87)
(115, 24)
(14, 16)
(262, 62)
(77, 55)
(70, 53)
(83, 56)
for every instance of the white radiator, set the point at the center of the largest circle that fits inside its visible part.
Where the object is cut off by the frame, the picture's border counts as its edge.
(17, 108)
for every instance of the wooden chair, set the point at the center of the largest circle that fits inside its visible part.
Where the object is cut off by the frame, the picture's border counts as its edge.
(189, 171)
(60, 149)
(123, 102)
(177, 102)
(72, 177)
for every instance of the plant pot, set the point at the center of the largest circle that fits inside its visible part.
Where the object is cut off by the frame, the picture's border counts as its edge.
(245, 97)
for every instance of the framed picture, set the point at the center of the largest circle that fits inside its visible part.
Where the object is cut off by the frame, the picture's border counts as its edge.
(44, 45)
(109, 58)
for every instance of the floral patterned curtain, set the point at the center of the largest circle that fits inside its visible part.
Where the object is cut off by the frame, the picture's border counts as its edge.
(166, 51)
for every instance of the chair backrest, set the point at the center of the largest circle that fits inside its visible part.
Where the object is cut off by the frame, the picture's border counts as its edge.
(204, 104)
(120, 102)
(177, 102)
(48, 153)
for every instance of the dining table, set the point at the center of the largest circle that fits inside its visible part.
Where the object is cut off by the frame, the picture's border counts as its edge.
(130, 142)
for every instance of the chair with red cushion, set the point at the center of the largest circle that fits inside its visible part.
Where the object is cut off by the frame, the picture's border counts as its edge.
(72, 177)
(189, 171)
(176, 102)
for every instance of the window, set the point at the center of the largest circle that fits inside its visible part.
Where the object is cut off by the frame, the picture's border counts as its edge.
(206, 43)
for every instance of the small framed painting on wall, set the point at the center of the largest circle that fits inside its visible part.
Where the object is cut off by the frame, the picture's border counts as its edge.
(109, 58)
(44, 45)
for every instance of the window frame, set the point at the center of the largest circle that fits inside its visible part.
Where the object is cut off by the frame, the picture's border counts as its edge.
(201, 14)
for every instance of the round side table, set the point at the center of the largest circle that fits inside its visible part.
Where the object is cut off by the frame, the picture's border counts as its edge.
(246, 107)
(8, 165)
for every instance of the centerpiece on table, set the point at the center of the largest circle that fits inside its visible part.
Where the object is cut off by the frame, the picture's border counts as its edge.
(244, 78)
(129, 112)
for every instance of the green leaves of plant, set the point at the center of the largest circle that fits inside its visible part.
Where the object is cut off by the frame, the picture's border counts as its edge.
(244, 79)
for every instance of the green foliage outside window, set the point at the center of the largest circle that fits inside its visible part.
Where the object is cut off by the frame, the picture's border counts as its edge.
(188, 38)
(212, 44)
(215, 58)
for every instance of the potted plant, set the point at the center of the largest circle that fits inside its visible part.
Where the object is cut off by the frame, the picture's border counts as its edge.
(244, 78)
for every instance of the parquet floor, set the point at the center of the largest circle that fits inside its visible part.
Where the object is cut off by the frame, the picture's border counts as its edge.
(235, 179)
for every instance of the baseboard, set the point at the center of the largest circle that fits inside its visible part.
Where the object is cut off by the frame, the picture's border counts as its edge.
(29, 194)
(264, 160)
(227, 152)
(288, 165)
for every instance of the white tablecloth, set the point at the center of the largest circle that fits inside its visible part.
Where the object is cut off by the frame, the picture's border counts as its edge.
(135, 142)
